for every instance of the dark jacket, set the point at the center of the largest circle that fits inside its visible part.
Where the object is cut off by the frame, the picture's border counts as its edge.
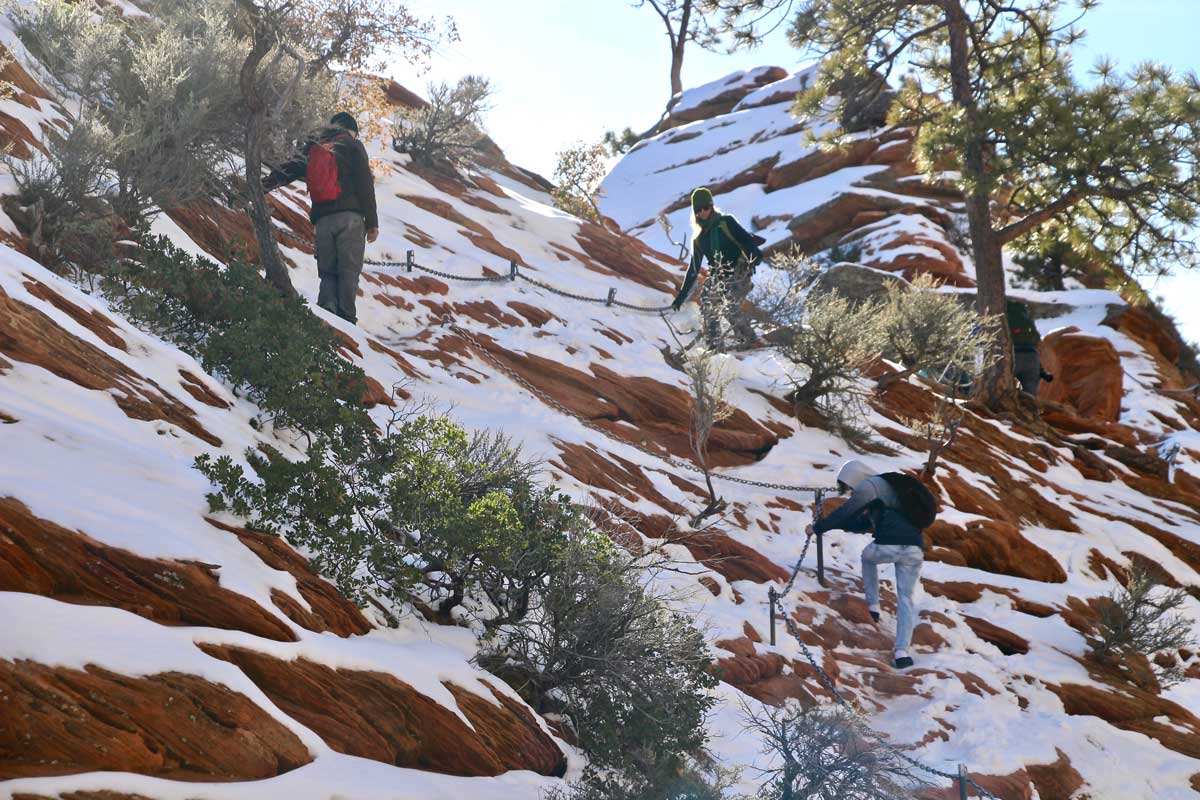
(873, 508)
(354, 175)
(725, 253)
(1021, 326)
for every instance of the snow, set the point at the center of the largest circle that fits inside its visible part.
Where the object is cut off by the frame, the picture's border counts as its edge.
(331, 777)
(128, 483)
(699, 95)
(793, 84)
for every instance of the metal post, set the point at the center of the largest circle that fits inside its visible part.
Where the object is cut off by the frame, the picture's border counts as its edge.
(818, 512)
(612, 294)
(512, 270)
(962, 782)
(821, 559)
(771, 598)
(409, 260)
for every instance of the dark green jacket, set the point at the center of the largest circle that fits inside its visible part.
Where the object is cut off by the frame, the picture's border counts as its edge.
(1021, 327)
(726, 245)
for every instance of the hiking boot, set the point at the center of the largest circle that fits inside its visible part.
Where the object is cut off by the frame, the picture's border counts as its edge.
(903, 662)
(874, 615)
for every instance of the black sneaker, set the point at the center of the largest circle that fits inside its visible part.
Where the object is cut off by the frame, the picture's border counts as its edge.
(904, 662)
(875, 615)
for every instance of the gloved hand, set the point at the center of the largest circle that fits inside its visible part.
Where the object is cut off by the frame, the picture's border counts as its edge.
(677, 304)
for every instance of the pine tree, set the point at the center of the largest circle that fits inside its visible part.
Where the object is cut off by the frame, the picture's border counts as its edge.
(988, 86)
(708, 24)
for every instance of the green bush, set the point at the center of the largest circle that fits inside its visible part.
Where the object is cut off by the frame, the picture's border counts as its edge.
(693, 782)
(414, 510)
(606, 653)
(842, 253)
(271, 348)
(449, 130)
(824, 753)
(929, 331)
(1141, 620)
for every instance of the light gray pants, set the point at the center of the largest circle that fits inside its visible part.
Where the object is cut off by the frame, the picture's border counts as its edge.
(341, 243)
(908, 560)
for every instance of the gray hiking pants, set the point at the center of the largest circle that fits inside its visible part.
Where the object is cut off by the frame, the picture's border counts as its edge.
(908, 560)
(1027, 367)
(721, 301)
(341, 243)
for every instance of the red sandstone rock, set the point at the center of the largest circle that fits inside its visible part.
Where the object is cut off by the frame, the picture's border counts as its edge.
(761, 676)
(1005, 641)
(722, 102)
(1057, 781)
(29, 336)
(819, 163)
(947, 267)
(733, 560)
(104, 328)
(1087, 374)
(1133, 709)
(997, 547)
(377, 716)
(60, 721)
(328, 610)
(39, 557)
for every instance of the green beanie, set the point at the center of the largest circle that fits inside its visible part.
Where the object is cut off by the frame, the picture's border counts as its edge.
(701, 198)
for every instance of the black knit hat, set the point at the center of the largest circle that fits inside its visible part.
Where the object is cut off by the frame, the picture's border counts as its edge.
(344, 120)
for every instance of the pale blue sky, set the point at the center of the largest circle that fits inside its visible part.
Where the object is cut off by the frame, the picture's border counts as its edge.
(567, 70)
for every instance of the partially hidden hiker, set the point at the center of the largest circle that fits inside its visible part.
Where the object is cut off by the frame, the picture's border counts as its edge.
(1027, 362)
(732, 255)
(337, 169)
(895, 508)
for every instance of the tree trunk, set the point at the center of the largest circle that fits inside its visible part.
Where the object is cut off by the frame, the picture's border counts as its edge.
(260, 212)
(678, 43)
(994, 387)
(676, 77)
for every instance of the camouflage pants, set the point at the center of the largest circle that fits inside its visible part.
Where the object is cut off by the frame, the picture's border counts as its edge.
(721, 302)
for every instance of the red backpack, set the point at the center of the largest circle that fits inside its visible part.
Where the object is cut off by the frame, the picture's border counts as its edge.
(321, 174)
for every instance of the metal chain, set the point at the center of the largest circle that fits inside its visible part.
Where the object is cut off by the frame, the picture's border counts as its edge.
(439, 273)
(550, 401)
(645, 309)
(862, 723)
(796, 570)
(581, 297)
(599, 300)
(819, 490)
(856, 714)
(502, 278)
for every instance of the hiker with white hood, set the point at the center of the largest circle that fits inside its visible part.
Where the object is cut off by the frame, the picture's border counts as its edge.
(894, 507)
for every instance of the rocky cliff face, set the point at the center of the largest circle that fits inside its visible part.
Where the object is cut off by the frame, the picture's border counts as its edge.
(148, 649)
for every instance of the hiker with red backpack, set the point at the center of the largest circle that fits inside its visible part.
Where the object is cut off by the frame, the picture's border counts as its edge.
(896, 508)
(732, 254)
(336, 168)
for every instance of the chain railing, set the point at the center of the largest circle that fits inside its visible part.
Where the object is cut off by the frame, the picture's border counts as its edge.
(540, 394)
(514, 273)
(961, 779)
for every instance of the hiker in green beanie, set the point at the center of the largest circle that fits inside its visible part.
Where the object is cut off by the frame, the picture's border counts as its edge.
(732, 255)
